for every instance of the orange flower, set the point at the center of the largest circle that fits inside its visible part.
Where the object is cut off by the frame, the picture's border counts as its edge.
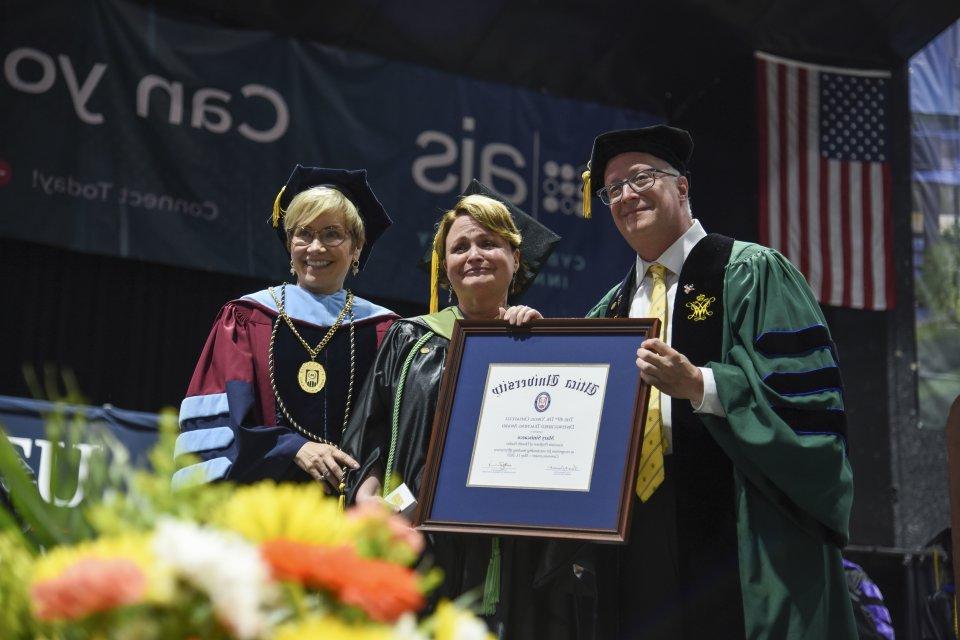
(89, 586)
(384, 591)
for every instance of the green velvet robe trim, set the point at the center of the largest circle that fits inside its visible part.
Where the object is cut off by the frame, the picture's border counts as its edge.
(441, 322)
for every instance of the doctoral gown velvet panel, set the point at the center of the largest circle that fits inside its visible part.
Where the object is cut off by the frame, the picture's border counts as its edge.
(230, 418)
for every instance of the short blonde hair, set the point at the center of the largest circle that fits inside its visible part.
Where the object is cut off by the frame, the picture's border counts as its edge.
(310, 204)
(492, 216)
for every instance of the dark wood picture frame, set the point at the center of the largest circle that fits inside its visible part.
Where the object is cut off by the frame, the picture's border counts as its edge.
(582, 328)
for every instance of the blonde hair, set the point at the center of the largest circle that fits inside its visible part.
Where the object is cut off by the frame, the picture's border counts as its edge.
(310, 204)
(492, 216)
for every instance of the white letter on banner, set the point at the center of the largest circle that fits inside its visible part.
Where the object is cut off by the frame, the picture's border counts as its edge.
(82, 94)
(174, 89)
(198, 114)
(46, 463)
(488, 170)
(46, 79)
(279, 105)
(25, 444)
(445, 159)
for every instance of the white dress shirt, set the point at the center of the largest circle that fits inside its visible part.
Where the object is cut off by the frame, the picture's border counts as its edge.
(673, 259)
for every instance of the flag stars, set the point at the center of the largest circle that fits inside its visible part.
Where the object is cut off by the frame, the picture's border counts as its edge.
(851, 115)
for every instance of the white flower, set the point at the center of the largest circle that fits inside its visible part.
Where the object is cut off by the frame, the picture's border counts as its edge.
(450, 622)
(469, 627)
(222, 565)
(406, 628)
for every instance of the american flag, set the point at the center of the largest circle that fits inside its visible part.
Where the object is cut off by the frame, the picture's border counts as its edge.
(825, 177)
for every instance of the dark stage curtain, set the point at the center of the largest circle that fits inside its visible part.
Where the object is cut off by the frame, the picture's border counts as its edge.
(130, 331)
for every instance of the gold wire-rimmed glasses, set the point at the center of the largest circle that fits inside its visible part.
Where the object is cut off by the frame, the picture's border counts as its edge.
(328, 236)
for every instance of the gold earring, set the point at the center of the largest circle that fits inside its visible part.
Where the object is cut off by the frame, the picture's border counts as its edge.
(356, 266)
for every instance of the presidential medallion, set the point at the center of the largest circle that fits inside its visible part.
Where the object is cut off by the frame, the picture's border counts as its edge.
(311, 376)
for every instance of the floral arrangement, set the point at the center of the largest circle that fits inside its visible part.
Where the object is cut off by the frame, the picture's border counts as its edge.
(216, 562)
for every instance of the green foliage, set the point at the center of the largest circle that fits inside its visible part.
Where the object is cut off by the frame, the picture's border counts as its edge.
(135, 499)
(15, 618)
(938, 336)
(46, 525)
(939, 286)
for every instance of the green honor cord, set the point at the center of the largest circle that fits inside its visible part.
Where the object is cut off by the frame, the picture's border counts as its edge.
(491, 585)
(394, 425)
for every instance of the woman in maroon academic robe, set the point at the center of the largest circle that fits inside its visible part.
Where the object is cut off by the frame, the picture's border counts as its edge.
(282, 367)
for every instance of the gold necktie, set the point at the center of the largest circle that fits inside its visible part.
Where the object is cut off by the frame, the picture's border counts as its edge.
(654, 443)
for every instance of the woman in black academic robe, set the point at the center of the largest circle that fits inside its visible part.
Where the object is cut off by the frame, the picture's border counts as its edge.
(485, 249)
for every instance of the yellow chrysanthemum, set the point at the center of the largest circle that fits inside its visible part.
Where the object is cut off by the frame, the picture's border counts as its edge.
(123, 568)
(330, 628)
(297, 512)
(15, 567)
(452, 623)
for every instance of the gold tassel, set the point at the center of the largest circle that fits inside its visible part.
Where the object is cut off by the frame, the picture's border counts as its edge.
(342, 500)
(434, 282)
(936, 570)
(587, 204)
(275, 218)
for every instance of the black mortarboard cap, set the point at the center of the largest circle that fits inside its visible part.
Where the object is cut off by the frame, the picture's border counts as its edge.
(537, 241)
(667, 143)
(351, 183)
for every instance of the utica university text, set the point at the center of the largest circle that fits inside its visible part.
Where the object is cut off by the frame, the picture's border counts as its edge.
(551, 380)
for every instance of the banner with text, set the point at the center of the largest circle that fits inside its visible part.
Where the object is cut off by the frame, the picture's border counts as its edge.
(131, 434)
(126, 132)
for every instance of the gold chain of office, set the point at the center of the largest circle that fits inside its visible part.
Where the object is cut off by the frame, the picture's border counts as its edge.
(311, 376)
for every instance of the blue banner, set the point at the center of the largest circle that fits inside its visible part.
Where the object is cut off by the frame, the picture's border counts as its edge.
(935, 75)
(141, 136)
(25, 423)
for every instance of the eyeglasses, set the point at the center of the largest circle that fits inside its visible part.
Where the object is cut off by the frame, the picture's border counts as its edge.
(328, 236)
(642, 181)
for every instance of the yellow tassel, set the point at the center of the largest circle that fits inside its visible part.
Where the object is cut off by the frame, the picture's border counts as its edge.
(587, 204)
(956, 621)
(275, 218)
(434, 282)
(342, 500)
(936, 570)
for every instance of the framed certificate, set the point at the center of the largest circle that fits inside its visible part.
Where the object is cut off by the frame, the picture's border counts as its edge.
(537, 430)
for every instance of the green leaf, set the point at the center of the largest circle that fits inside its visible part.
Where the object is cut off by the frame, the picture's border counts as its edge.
(45, 526)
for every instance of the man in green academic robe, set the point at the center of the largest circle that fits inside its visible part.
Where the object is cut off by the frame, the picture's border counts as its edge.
(739, 534)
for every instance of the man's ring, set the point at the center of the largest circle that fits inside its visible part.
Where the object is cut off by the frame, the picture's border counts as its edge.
(323, 474)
